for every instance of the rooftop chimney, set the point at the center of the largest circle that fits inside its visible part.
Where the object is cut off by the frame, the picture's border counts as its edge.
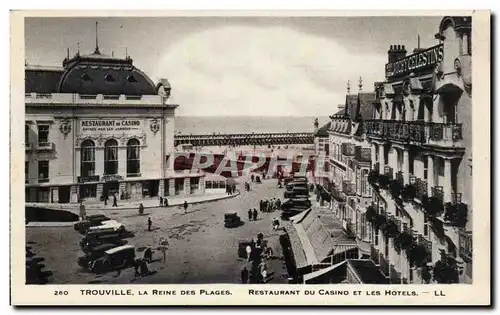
(396, 52)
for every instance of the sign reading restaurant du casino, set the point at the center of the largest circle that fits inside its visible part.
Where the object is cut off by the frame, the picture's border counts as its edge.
(109, 125)
(418, 61)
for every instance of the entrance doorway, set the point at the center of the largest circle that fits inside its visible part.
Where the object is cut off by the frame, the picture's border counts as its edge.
(64, 194)
(110, 189)
(179, 185)
(150, 188)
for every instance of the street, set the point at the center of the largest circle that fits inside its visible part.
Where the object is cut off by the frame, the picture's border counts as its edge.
(201, 249)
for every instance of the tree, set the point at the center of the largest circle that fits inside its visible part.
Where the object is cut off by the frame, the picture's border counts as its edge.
(383, 181)
(395, 188)
(456, 214)
(370, 213)
(409, 192)
(434, 206)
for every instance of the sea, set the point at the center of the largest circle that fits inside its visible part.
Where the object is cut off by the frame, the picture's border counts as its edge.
(245, 124)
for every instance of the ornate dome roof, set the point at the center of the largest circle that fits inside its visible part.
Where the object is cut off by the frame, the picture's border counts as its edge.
(101, 74)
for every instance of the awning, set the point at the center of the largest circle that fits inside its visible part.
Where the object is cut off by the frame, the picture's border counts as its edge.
(321, 272)
(298, 217)
(298, 252)
(341, 248)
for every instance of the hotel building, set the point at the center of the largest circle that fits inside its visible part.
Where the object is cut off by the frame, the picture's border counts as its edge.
(420, 137)
(99, 126)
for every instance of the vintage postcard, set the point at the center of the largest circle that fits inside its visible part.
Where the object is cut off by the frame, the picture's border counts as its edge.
(250, 158)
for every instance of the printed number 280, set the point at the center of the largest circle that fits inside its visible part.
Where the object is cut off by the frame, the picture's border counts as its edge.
(60, 292)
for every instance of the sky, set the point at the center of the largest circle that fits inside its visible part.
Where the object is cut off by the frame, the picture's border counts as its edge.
(240, 66)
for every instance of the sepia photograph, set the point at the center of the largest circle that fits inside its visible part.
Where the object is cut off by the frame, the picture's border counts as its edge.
(250, 150)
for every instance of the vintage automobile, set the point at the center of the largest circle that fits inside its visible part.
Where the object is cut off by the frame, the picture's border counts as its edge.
(232, 220)
(97, 237)
(116, 258)
(108, 225)
(94, 252)
(287, 214)
(292, 185)
(89, 244)
(92, 220)
(297, 192)
(299, 203)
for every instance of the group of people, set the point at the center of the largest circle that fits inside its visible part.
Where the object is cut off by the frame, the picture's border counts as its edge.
(258, 252)
(106, 198)
(163, 202)
(247, 186)
(230, 189)
(256, 178)
(270, 205)
(252, 214)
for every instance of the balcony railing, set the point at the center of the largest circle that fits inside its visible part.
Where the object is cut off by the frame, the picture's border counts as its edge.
(427, 244)
(456, 198)
(465, 245)
(44, 146)
(348, 149)
(348, 188)
(400, 177)
(43, 180)
(437, 191)
(362, 154)
(414, 131)
(421, 188)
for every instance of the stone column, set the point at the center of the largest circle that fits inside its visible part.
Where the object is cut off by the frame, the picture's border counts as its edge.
(161, 188)
(99, 161)
(122, 161)
(430, 174)
(55, 195)
(447, 181)
(406, 166)
(187, 186)
(374, 154)
(201, 184)
(171, 186)
(381, 158)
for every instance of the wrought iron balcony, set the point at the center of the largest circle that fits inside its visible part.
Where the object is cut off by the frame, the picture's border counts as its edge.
(348, 188)
(456, 198)
(348, 149)
(414, 131)
(421, 188)
(362, 154)
(437, 191)
(426, 244)
(45, 146)
(465, 245)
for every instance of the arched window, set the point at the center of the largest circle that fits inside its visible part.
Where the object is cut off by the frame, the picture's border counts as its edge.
(87, 161)
(133, 158)
(111, 157)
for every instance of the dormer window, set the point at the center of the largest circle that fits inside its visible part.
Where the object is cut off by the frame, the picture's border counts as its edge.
(131, 78)
(109, 78)
(85, 77)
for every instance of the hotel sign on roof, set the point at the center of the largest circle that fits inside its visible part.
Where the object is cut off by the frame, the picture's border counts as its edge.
(412, 63)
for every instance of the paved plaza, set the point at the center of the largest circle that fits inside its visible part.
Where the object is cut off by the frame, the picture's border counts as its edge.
(201, 249)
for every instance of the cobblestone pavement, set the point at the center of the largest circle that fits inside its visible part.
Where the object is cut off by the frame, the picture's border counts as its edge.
(201, 249)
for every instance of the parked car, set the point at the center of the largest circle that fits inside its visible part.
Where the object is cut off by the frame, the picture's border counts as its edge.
(232, 220)
(287, 214)
(100, 236)
(93, 253)
(108, 225)
(92, 220)
(88, 244)
(297, 192)
(116, 258)
(300, 203)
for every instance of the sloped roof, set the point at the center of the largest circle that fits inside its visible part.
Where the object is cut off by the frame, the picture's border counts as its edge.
(44, 80)
(323, 130)
(366, 270)
(365, 106)
(351, 102)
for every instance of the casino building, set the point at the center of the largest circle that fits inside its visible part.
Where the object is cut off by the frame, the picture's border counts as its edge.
(99, 126)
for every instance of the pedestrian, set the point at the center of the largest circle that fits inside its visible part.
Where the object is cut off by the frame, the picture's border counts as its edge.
(252, 178)
(148, 255)
(249, 252)
(105, 197)
(83, 214)
(144, 268)
(276, 224)
(115, 204)
(261, 205)
(137, 264)
(185, 207)
(244, 275)
(250, 214)
(278, 203)
(165, 202)
(255, 214)
(233, 188)
(141, 209)
(149, 223)
(161, 202)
